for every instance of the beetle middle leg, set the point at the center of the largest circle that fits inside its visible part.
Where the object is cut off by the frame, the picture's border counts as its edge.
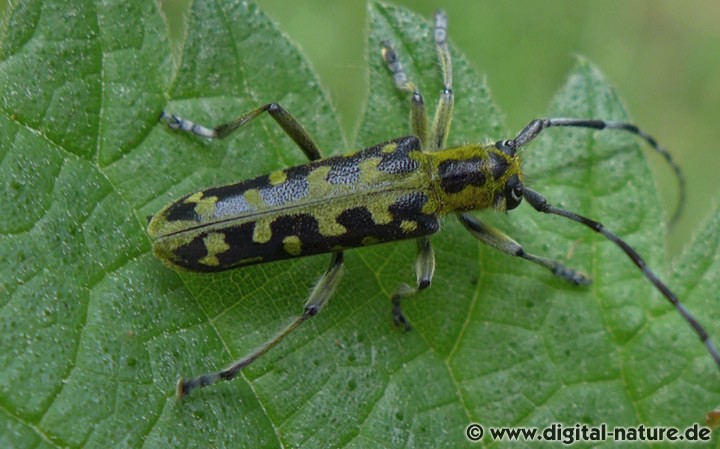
(434, 138)
(431, 138)
(444, 110)
(424, 270)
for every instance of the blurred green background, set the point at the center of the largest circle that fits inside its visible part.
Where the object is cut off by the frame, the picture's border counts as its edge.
(662, 55)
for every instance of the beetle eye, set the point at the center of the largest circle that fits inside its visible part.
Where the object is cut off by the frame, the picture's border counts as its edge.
(513, 193)
(517, 192)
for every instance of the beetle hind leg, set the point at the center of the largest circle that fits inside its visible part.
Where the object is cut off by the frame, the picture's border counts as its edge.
(318, 298)
(282, 117)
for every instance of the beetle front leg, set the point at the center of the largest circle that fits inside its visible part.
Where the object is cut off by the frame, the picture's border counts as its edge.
(424, 270)
(319, 297)
(498, 240)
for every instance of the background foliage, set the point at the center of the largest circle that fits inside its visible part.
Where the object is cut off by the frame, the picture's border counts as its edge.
(94, 331)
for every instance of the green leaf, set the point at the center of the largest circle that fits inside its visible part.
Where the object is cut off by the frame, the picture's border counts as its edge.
(94, 331)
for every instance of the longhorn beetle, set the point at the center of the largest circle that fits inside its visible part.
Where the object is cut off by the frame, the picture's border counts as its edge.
(395, 190)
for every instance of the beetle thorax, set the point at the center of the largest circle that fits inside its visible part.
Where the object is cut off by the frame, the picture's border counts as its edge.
(473, 177)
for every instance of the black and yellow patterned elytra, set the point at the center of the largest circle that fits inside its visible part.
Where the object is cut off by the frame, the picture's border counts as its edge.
(388, 192)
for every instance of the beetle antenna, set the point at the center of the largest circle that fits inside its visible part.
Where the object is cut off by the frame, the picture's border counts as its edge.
(540, 204)
(535, 127)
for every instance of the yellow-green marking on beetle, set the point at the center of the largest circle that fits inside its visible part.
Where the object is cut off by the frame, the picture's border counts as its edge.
(395, 190)
(215, 244)
(277, 177)
(292, 245)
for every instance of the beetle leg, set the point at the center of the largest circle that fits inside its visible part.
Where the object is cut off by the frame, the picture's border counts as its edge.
(498, 240)
(327, 283)
(424, 270)
(444, 110)
(318, 298)
(436, 137)
(418, 115)
(287, 122)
